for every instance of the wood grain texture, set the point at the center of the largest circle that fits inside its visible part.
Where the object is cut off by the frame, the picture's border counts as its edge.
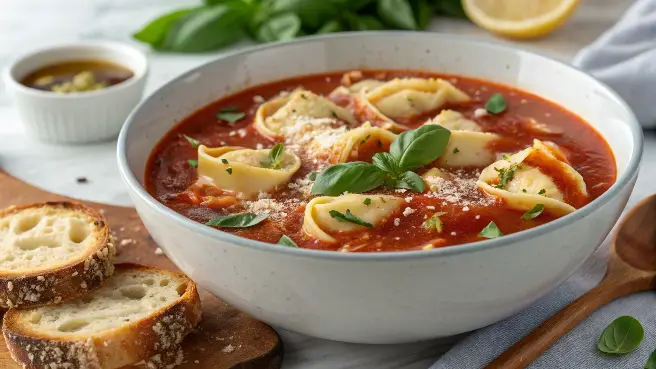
(631, 269)
(225, 338)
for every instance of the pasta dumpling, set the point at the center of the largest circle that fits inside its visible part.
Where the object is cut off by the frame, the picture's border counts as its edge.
(244, 170)
(455, 121)
(407, 97)
(361, 144)
(319, 223)
(365, 84)
(275, 116)
(519, 180)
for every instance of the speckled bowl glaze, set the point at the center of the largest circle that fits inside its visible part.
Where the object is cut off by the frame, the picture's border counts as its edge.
(383, 297)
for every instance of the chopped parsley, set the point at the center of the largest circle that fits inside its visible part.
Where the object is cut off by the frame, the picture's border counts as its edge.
(349, 217)
(434, 222)
(455, 151)
(367, 201)
(192, 141)
(229, 170)
(524, 190)
(224, 161)
(506, 175)
(365, 140)
(303, 96)
(332, 112)
(542, 192)
(193, 163)
(534, 212)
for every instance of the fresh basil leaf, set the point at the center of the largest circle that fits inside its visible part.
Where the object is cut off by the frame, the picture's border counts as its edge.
(534, 212)
(411, 181)
(434, 222)
(155, 32)
(230, 117)
(286, 241)
(418, 147)
(276, 154)
(349, 217)
(490, 231)
(621, 336)
(192, 141)
(354, 177)
(496, 104)
(330, 27)
(386, 162)
(279, 28)
(243, 220)
(422, 11)
(397, 13)
(207, 28)
(363, 22)
(192, 163)
(651, 362)
(452, 8)
(229, 109)
(312, 13)
(312, 176)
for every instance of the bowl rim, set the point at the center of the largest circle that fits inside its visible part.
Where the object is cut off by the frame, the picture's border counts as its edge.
(117, 47)
(236, 241)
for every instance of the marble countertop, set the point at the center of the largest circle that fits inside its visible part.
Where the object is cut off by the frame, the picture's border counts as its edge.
(28, 24)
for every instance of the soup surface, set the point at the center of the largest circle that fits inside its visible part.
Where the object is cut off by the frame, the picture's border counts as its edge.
(77, 76)
(379, 161)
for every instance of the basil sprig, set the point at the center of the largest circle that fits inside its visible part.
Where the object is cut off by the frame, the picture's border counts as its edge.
(533, 212)
(276, 155)
(349, 217)
(496, 104)
(286, 241)
(243, 220)
(409, 151)
(192, 141)
(621, 336)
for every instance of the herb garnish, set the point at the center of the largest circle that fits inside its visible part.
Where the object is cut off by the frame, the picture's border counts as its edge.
(365, 140)
(242, 220)
(230, 116)
(192, 141)
(286, 241)
(229, 170)
(434, 222)
(490, 231)
(534, 212)
(455, 150)
(229, 109)
(276, 155)
(542, 192)
(224, 161)
(506, 175)
(524, 190)
(367, 201)
(312, 175)
(332, 112)
(496, 104)
(621, 336)
(409, 151)
(349, 217)
(192, 163)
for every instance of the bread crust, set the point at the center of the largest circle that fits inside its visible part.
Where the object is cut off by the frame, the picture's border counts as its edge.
(160, 332)
(79, 276)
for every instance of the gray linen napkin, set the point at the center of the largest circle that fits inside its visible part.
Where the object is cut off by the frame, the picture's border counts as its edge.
(625, 58)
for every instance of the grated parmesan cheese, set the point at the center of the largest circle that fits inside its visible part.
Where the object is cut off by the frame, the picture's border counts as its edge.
(242, 132)
(258, 99)
(407, 211)
(430, 207)
(397, 221)
(259, 146)
(459, 188)
(479, 113)
(400, 190)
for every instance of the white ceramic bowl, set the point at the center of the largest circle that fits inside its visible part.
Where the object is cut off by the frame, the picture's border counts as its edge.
(383, 297)
(82, 116)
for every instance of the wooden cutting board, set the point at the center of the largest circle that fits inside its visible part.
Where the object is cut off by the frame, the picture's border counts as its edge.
(225, 338)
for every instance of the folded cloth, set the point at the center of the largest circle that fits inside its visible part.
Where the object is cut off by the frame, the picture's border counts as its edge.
(624, 57)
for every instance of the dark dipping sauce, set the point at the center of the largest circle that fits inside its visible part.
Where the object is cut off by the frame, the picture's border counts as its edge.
(170, 178)
(77, 76)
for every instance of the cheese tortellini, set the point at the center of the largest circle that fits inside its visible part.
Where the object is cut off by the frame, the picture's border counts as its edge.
(244, 170)
(349, 146)
(274, 117)
(407, 97)
(365, 84)
(318, 222)
(468, 145)
(529, 185)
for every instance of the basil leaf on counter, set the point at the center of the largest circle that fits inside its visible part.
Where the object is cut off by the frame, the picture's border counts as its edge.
(243, 220)
(651, 362)
(397, 13)
(621, 336)
(207, 28)
(349, 217)
(490, 231)
(421, 146)
(496, 104)
(411, 181)
(193, 163)
(230, 116)
(279, 28)
(354, 177)
(155, 32)
(286, 241)
(194, 142)
(534, 212)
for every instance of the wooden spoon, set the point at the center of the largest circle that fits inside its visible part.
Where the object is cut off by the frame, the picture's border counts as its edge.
(631, 269)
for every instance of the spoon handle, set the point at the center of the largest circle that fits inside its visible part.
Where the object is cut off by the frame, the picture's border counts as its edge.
(532, 346)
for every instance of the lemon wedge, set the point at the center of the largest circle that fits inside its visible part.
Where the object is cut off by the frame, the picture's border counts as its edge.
(520, 18)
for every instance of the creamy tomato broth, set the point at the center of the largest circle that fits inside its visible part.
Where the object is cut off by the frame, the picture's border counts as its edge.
(379, 161)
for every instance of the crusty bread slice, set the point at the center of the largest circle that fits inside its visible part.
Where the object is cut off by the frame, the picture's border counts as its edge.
(137, 314)
(52, 252)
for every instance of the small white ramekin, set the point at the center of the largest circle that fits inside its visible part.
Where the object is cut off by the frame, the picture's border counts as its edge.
(77, 117)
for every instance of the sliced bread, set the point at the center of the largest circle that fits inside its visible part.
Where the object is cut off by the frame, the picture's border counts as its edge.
(140, 314)
(51, 252)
